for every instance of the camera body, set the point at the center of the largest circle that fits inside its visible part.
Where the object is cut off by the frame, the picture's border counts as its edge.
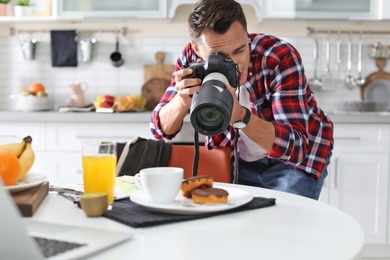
(212, 106)
(216, 62)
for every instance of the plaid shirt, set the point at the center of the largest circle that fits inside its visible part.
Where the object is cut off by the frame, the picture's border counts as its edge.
(279, 93)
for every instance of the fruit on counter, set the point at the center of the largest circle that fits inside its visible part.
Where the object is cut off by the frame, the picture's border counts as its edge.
(23, 152)
(94, 204)
(9, 168)
(36, 87)
(24, 92)
(105, 101)
(131, 102)
(42, 94)
(108, 101)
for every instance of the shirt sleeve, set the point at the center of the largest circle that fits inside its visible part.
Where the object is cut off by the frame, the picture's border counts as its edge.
(187, 56)
(289, 102)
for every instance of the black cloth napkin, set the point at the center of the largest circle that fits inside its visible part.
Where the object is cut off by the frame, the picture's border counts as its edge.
(63, 48)
(127, 212)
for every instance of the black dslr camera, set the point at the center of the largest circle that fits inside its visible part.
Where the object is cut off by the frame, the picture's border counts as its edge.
(212, 106)
(216, 62)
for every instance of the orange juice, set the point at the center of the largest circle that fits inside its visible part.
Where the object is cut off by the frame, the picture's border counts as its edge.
(99, 174)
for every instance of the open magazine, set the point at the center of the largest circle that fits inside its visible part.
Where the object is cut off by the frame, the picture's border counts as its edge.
(124, 187)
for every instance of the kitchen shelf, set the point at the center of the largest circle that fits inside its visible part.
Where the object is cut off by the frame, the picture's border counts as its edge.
(13, 19)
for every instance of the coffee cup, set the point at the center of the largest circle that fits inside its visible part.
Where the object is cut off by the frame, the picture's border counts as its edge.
(76, 91)
(160, 184)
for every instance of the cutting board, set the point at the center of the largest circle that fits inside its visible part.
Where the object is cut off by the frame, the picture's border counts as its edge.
(29, 200)
(158, 70)
(157, 79)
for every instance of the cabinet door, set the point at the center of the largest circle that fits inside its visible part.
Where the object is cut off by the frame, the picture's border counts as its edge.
(64, 168)
(68, 136)
(358, 185)
(113, 9)
(321, 9)
(14, 133)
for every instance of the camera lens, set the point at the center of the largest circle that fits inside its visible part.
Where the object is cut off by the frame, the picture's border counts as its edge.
(210, 118)
(212, 106)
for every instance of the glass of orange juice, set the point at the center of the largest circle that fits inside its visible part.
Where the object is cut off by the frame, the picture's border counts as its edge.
(99, 168)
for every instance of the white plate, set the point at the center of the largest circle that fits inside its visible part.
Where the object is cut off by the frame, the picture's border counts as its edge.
(378, 91)
(182, 205)
(28, 181)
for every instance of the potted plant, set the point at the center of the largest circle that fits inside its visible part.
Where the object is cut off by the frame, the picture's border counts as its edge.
(4, 7)
(23, 8)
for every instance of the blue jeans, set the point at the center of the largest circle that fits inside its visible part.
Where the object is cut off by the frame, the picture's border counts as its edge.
(276, 175)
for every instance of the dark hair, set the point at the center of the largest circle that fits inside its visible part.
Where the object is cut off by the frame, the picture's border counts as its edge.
(216, 15)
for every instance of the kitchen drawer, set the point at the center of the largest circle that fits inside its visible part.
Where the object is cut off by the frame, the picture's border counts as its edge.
(362, 138)
(12, 132)
(68, 136)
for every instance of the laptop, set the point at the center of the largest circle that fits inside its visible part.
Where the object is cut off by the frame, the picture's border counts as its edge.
(25, 238)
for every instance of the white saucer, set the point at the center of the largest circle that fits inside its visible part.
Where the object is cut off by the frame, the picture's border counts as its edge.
(182, 205)
(28, 181)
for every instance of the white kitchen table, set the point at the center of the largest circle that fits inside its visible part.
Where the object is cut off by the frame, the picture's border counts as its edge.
(295, 228)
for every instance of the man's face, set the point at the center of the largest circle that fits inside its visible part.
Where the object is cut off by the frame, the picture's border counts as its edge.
(233, 44)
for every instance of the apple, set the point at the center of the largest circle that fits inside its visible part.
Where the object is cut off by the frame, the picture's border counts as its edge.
(108, 101)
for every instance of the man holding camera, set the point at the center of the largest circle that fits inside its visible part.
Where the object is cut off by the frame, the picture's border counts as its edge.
(285, 139)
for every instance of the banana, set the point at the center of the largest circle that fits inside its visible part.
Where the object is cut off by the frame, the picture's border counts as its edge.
(26, 160)
(15, 148)
(24, 152)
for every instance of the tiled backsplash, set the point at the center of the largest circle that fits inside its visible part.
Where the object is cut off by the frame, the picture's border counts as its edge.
(103, 78)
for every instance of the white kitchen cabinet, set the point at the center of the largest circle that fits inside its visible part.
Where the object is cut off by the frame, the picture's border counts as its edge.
(321, 9)
(174, 4)
(68, 136)
(12, 132)
(112, 9)
(358, 179)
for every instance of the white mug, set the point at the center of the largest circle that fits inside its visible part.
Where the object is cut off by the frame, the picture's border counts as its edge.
(76, 91)
(160, 184)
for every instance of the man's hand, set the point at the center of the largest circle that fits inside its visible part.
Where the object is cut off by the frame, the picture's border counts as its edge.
(186, 87)
(238, 112)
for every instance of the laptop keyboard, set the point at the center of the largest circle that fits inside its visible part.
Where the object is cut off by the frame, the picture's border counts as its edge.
(51, 247)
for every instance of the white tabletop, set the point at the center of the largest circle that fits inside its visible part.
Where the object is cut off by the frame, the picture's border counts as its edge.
(295, 228)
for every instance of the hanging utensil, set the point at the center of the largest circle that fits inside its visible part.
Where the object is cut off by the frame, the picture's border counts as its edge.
(360, 80)
(339, 68)
(327, 78)
(315, 82)
(349, 79)
(116, 57)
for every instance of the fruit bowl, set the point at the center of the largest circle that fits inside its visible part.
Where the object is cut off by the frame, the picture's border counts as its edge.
(31, 103)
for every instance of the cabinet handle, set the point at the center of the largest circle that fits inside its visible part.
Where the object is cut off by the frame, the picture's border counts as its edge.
(356, 138)
(8, 136)
(103, 137)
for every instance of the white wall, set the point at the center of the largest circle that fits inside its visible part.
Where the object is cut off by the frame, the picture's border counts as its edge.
(144, 38)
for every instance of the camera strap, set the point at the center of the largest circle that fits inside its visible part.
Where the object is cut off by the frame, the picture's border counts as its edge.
(196, 155)
(235, 170)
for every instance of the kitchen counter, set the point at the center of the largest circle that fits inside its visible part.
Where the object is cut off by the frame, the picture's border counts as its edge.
(143, 117)
(82, 117)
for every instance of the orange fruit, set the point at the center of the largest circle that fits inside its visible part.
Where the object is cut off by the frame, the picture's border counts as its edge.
(36, 87)
(9, 168)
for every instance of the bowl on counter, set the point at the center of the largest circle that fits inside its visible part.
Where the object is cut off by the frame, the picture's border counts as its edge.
(30, 103)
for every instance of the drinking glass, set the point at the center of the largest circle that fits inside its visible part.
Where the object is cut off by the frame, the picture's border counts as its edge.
(99, 168)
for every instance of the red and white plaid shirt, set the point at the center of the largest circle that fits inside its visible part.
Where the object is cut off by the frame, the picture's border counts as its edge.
(279, 93)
